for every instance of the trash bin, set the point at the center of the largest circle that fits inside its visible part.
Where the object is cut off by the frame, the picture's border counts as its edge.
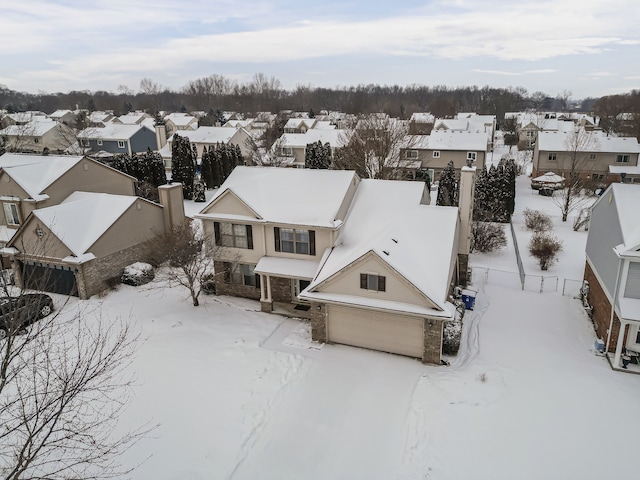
(599, 345)
(469, 298)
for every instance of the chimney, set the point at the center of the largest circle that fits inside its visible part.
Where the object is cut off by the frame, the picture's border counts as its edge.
(465, 210)
(171, 199)
(161, 136)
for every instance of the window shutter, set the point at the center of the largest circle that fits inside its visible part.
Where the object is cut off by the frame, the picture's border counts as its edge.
(382, 283)
(363, 280)
(276, 234)
(632, 287)
(312, 242)
(216, 229)
(249, 237)
(257, 280)
(227, 272)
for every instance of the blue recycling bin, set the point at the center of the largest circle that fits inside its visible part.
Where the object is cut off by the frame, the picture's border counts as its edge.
(469, 298)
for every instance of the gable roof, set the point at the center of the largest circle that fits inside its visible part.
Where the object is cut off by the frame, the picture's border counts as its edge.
(208, 135)
(111, 131)
(289, 196)
(35, 128)
(34, 173)
(97, 211)
(627, 199)
(559, 141)
(335, 138)
(415, 240)
(448, 140)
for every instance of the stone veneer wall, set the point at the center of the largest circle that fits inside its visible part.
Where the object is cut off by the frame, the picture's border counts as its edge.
(318, 322)
(601, 315)
(281, 289)
(224, 288)
(432, 341)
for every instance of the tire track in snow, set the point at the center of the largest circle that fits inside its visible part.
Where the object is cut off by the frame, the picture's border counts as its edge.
(470, 341)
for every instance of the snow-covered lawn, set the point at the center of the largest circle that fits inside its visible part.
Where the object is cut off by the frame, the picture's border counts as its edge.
(240, 394)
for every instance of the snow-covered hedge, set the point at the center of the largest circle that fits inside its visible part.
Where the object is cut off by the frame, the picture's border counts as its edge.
(452, 333)
(138, 273)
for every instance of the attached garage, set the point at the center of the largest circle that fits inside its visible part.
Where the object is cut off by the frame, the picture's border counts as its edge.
(49, 278)
(386, 332)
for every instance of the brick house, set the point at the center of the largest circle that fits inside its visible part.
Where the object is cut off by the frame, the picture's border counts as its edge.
(308, 238)
(613, 269)
(79, 246)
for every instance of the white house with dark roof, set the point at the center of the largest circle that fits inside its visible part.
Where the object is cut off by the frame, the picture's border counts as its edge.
(369, 261)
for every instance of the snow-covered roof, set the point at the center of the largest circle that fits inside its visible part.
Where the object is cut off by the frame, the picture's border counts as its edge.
(451, 124)
(60, 113)
(628, 169)
(83, 217)
(290, 195)
(549, 177)
(287, 267)
(335, 138)
(37, 127)
(34, 173)
(132, 118)
(627, 199)
(180, 119)
(422, 117)
(448, 140)
(300, 122)
(324, 125)
(239, 123)
(111, 131)
(386, 218)
(598, 142)
(207, 135)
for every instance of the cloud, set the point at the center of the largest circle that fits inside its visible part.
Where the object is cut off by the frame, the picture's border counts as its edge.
(542, 70)
(496, 72)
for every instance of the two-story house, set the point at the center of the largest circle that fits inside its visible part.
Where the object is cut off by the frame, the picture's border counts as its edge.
(291, 148)
(30, 182)
(370, 262)
(38, 135)
(612, 270)
(591, 153)
(118, 139)
(176, 122)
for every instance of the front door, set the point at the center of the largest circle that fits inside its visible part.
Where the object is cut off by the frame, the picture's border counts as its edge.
(298, 286)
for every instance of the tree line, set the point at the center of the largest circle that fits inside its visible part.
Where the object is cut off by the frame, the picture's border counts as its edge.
(218, 93)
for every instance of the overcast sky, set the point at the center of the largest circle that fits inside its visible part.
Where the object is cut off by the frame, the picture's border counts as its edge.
(589, 47)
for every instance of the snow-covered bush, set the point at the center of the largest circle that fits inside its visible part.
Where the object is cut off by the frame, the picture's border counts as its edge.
(545, 247)
(208, 283)
(537, 221)
(452, 333)
(487, 237)
(138, 273)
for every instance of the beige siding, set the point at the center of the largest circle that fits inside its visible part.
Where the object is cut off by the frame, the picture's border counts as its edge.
(229, 204)
(46, 247)
(584, 163)
(323, 241)
(459, 159)
(375, 330)
(241, 255)
(397, 288)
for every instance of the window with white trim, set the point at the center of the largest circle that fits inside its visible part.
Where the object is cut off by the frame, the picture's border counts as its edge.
(295, 240)
(472, 156)
(373, 281)
(99, 141)
(233, 235)
(241, 274)
(11, 213)
(411, 154)
(120, 143)
(553, 156)
(436, 154)
(84, 142)
(287, 151)
(622, 158)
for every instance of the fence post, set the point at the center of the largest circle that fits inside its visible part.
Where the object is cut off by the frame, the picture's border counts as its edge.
(541, 284)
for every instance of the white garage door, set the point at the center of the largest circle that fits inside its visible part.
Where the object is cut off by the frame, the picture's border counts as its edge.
(375, 330)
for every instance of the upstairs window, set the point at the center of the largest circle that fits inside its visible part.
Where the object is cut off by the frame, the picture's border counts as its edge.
(11, 213)
(120, 143)
(287, 151)
(373, 281)
(411, 154)
(99, 141)
(295, 240)
(436, 154)
(471, 156)
(553, 156)
(622, 158)
(233, 235)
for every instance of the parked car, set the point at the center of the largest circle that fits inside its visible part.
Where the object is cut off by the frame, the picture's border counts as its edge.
(16, 313)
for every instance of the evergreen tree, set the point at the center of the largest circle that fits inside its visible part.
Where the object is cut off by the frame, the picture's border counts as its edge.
(448, 187)
(480, 206)
(317, 155)
(183, 164)
(206, 167)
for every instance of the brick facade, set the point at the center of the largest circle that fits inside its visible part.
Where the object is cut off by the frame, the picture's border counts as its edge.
(318, 322)
(232, 289)
(432, 352)
(601, 315)
(281, 289)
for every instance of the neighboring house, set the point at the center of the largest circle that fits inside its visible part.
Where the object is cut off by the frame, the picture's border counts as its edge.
(368, 261)
(176, 122)
(208, 137)
(116, 138)
(133, 118)
(594, 153)
(246, 124)
(82, 245)
(63, 116)
(99, 119)
(421, 123)
(299, 125)
(30, 182)
(291, 148)
(38, 135)
(613, 269)
(433, 152)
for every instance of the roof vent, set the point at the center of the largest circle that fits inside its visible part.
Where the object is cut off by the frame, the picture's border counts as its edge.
(385, 252)
(394, 240)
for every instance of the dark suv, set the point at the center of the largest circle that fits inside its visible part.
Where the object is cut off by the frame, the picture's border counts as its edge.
(16, 313)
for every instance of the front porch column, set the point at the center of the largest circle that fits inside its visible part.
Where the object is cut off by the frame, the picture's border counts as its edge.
(618, 354)
(266, 302)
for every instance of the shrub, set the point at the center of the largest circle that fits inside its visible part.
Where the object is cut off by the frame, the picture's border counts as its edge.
(208, 283)
(537, 221)
(138, 273)
(452, 332)
(545, 247)
(487, 237)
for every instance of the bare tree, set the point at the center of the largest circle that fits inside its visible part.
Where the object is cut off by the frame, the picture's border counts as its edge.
(579, 144)
(372, 148)
(64, 381)
(545, 246)
(186, 263)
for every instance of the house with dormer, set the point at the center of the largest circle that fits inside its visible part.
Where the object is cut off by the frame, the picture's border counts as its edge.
(370, 262)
